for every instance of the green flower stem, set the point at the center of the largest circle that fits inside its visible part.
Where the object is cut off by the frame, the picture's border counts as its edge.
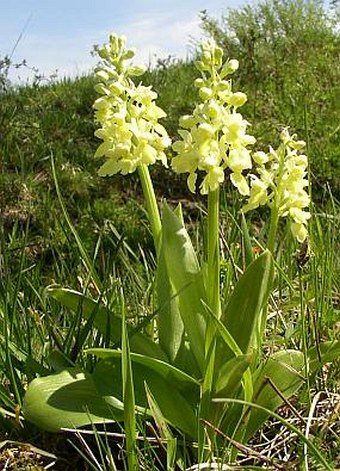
(213, 273)
(151, 204)
(274, 219)
(213, 252)
(213, 292)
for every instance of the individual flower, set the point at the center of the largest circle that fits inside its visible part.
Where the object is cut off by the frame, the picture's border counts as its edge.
(127, 113)
(213, 137)
(280, 181)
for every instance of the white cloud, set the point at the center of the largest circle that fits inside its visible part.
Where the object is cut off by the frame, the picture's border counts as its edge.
(161, 36)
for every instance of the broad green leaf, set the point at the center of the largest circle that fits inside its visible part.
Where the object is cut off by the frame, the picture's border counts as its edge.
(183, 380)
(178, 407)
(106, 321)
(325, 352)
(92, 273)
(226, 340)
(165, 431)
(170, 324)
(283, 372)
(230, 375)
(107, 377)
(186, 280)
(68, 399)
(228, 416)
(242, 317)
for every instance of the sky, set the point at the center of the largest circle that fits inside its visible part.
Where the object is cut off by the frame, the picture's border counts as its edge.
(59, 35)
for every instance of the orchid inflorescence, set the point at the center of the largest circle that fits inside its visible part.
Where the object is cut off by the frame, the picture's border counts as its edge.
(213, 139)
(280, 181)
(127, 113)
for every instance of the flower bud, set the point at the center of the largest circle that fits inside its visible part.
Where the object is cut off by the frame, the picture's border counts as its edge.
(121, 42)
(205, 93)
(201, 66)
(104, 52)
(260, 157)
(206, 57)
(116, 88)
(136, 71)
(213, 109)
(229, 67)
(199, 82)
(102, 75)
(101, 103)
(237, 99)
(187, 121)
(129, 54)
(218, 56)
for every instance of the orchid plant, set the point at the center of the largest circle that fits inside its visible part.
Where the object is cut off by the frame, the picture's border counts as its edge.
(206, 364)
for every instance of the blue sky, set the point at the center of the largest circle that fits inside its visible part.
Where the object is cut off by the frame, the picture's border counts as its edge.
(59, 34)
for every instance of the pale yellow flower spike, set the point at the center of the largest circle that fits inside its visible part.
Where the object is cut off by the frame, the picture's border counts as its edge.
(280, 181)
(127, 114)
(214, 137)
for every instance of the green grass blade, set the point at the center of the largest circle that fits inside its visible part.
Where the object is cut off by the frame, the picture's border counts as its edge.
(248, 249)
(85, 258)
(128, 398)
(164, 429)
(324, 352)
(281, 372)
(263, 410)
(108, 323)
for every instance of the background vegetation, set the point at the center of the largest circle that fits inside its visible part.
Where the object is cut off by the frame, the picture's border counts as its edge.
(289, 53)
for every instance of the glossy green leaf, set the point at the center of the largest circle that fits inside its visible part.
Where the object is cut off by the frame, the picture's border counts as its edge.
(68, 399)
(177, 406)
(106, 321)
(170, 324)
(323, 353)
(242, 317)
(281, 372)
(186, 279)
(165, 431)
(230, 375)
(226, 340)
(183, 380)
(228, 416)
